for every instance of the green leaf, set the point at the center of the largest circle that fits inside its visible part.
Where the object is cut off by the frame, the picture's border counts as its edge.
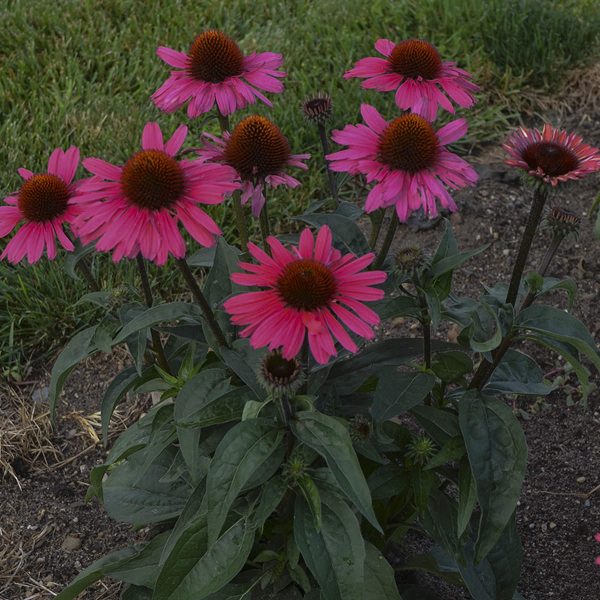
(96, 571)
(345, 545)
(271, 497)
(440, 424)
(331, 440)
(188, 575)
(348, 375)
(169, 311)
(313, 499)
(142, 569)
(218, 284)
(205, 257)
(129, 564)
(117, 389)
(244, 360)
(498, 456)
(452, 450)
(206, 400)
(346, 232)
(449, 263)
(467, 496)
(242, 452)
(148, 500)
(569, 353)
(451, 366)
(79, 348)
(447, 246)
(518, 373)
(398, 306)
(72, 258)
(562, 326)
(335, 555)
(551, 284)
(397, 393)
(99, 298)
(380, 582)
(313, 549)
(135, 592)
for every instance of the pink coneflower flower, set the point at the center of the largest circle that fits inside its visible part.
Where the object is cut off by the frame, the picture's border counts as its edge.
(597, 538)
(259, 152)
(551, 155)
(421, 79)
(408, 160)
(310, 291)
(215, 71)
(135, 208)
(43, 204)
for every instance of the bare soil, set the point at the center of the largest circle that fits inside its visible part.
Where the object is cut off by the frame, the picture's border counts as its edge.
(51, 534)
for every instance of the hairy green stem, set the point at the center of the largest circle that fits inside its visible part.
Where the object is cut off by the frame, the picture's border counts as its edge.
(263, 219)
(376, 223)
(333, 188)
(84, 266)
(207, 311)
(157, 346)
(535, 214)
(485, 369)
(387, 242)
(238, 211)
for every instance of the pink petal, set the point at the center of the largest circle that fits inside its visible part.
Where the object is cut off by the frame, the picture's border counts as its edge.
(176, 141)
(152, 138)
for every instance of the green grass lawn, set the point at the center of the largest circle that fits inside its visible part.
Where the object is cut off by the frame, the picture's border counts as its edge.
(82, 71)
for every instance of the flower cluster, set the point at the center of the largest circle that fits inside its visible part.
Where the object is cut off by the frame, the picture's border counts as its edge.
(310, 294)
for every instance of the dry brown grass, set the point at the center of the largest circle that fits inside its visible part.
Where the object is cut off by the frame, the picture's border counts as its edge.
(25, 434)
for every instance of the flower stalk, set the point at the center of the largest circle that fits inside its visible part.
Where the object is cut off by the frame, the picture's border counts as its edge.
(157, 346)
(535, 214)
(201, 300)
(333, 188)
(387, 242)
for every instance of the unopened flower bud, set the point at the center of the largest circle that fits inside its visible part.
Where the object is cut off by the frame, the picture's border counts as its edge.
(319, 108)
(360, 428)
(562, 222)
(421, 449)
(279, 376)
(409, 259)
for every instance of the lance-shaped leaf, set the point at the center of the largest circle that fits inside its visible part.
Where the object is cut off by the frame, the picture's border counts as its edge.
(160, 313)
(562, 326)
(242, 452)
(331, 439)
(79, 348)
(148, 500)
(497, 454)
(380, 582)
(193, 574)
(518, 373)
(398, 392)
